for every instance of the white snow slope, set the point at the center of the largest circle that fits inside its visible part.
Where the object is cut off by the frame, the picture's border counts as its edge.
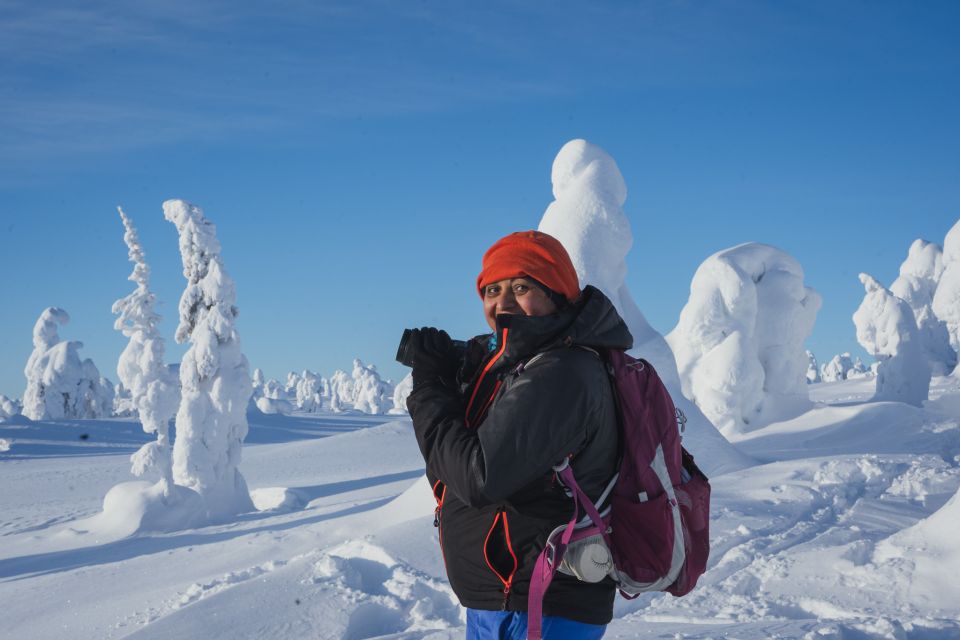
(843, 531)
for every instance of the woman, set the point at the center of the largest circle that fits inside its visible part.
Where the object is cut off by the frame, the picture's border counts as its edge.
(492, 420)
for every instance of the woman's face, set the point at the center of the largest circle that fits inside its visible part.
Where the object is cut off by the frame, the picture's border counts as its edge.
(517, 296)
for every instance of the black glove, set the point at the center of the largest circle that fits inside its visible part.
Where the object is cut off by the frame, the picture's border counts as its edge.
(433, 355)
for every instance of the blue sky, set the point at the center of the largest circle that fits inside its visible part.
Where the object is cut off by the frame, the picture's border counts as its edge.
(358, 157)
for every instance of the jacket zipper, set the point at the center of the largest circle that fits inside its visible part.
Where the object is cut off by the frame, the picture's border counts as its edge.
(436, 521)
(508, 581)
(476, 387)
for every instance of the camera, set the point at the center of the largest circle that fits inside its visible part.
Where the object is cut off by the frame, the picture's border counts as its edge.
(406, 359)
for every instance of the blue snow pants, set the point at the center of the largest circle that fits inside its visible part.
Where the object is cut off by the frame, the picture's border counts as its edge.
(512, 625)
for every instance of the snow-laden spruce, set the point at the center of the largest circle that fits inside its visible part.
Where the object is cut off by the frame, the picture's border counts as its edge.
(59, 383)
(739, 340)
(859, 370)
(214, 374)
(946, 298)
(837, 368)
(341, 390)
(309, 391)
(400, 394)
(813, 371)
(587, 217)
(153, 392)
(917, 285)
(371, 394)
(887, 329)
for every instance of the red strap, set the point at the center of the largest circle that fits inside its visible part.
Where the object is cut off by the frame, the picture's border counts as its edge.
(566, 475)
(543, 571)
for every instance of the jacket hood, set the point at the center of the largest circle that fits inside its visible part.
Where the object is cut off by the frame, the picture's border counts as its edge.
(592, 321)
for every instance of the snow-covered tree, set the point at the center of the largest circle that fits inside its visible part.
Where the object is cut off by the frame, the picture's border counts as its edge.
(123, 406)
(308, 392)
(59, 383)
(588, 218)
(739, 341)
(274, 390)
(946, 299)
(370, 393)
(837, 368)
(293, 379)
(886, 328)
(214, 373)
(859, 370)
(152, 390)
(341, 390)
(917, 286)
(813, 371)
(8, 407)
(400, 393)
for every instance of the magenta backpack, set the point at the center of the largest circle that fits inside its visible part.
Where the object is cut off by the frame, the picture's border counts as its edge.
(649, 530)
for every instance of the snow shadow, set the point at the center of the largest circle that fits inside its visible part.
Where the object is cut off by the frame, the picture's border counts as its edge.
(54, 562)
(277, 428)
(42, 439)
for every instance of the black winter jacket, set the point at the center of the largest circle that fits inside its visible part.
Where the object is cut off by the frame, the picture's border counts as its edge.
(490, 443)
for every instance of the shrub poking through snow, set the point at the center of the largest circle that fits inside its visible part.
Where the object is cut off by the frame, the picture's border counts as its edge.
(739, 341)
(214, 374)
(917, 286)
(152, 390)
(886, 328)
(59, 383)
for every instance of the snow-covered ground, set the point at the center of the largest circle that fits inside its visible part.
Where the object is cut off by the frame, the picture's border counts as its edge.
(829, 536)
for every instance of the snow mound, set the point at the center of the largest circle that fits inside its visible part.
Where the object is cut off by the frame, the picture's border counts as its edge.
(587, 217)
(739, 340)
(386, 596)
(271, 406)
(131, 508)
(278, 499)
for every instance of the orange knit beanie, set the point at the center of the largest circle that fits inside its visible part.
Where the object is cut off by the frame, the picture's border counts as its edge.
(534, 254)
